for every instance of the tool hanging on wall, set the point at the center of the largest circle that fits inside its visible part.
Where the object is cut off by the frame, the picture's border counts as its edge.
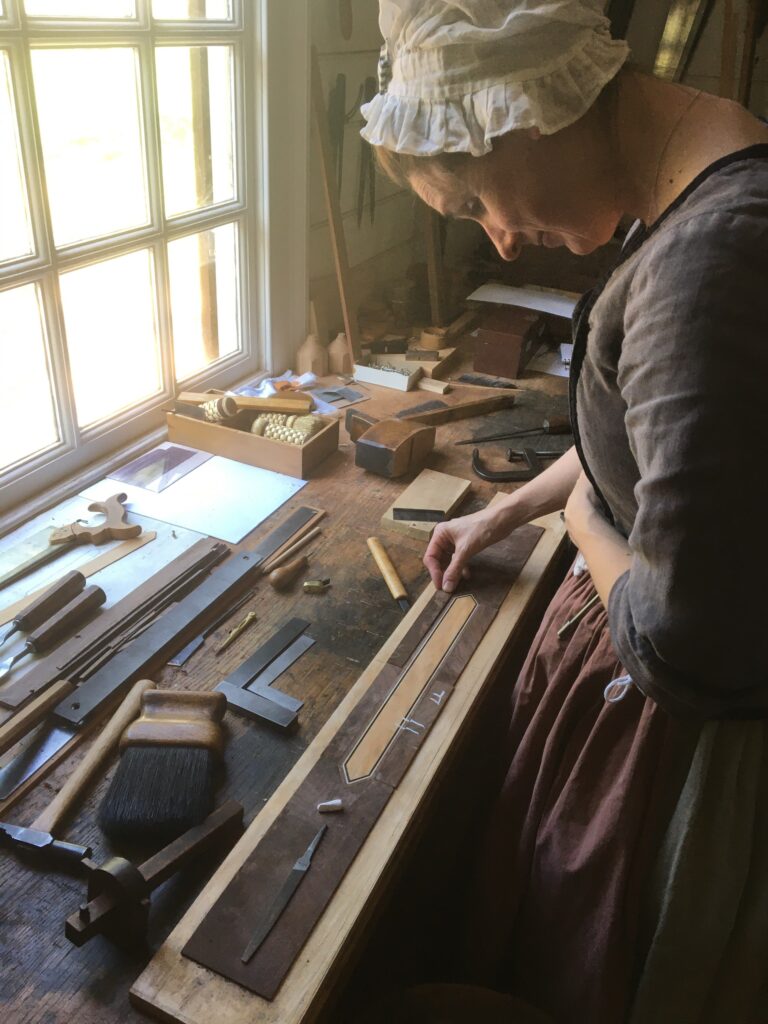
(164, 783)
(337, 109)
(61, 539)
(58, 626)
(367, 165)
(118, 891)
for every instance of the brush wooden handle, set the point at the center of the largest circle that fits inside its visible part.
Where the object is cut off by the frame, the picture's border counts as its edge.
(178, 718)
(101, 747)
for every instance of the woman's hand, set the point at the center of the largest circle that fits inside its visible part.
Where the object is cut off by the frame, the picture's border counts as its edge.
(454, 543)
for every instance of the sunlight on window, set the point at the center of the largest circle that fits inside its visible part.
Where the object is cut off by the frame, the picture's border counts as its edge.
(194, 92)
(90, 123)
(189, 10)
(112, 336)
(15, 229)
(80, 8)
(204, 298)
(27, 419)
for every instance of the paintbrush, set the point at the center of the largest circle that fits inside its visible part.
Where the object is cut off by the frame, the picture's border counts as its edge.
(166, 778)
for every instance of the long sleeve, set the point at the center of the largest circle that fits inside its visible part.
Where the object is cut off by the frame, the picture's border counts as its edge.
(690, 619)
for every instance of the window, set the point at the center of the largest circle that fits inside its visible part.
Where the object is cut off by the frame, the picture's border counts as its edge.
(132, 231)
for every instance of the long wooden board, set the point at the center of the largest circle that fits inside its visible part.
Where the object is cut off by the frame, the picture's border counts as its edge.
(175, 988)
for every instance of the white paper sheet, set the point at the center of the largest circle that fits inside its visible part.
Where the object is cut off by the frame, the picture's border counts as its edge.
(545, 300)
(221, 498)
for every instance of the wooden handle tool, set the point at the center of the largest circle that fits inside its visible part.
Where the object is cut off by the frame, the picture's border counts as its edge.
(388, 571)
(284, 577)
(102, 746)
(51, 600)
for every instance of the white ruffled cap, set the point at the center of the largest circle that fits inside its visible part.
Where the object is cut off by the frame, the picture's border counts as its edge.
(466, 71)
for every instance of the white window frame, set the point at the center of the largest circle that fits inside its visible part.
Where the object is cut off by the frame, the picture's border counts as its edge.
(272, 125)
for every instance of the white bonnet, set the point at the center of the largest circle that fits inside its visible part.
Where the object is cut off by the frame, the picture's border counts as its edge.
(456, 73)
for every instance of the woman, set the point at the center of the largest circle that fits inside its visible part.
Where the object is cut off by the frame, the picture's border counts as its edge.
(625, 877)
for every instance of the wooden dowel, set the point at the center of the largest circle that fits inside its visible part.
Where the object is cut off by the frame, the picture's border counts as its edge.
(291, 550)
(387, 569)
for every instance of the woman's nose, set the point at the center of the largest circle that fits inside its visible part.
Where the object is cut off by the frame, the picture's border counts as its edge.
(508, 243)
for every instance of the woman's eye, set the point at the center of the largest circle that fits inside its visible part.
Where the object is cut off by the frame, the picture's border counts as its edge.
(472, 208)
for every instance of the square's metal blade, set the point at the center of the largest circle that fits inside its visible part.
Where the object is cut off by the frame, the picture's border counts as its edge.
(43, 743)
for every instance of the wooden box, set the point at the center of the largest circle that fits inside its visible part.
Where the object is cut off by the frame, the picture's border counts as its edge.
(241, 445)
(507, 339)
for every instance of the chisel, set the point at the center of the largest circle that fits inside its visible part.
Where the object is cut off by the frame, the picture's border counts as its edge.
(388, 571)
(553, 425)
(57, 626)
(49, 602)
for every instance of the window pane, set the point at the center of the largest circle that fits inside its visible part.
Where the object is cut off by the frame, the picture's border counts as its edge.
(88, 106)
(15, 229)
(80, 8)
(27, 398)
(204, 298)
(194, 85)
(187, 10)
(112, 337)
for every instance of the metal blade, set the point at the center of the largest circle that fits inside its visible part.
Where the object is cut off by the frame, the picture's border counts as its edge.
(44, 742)
(283, 898)
(8, 664)
(43, 557)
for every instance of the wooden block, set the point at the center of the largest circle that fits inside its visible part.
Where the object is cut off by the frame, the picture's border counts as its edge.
(393, 448)
(432, 490)
(298, 404)
(433, 367)
(220, 439)
(388, 378)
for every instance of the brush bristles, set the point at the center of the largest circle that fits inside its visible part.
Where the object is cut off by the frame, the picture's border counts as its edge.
(158, 793)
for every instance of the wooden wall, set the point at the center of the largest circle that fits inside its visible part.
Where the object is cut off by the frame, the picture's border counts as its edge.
(723, 36)
(381, 251)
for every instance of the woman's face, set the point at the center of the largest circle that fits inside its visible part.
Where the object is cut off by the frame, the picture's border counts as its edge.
(531, 190)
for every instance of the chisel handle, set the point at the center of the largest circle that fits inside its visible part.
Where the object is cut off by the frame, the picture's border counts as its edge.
(50, 602)
(387, 569)
(60, 625)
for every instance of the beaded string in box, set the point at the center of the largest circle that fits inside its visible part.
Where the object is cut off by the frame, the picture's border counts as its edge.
(290, 429)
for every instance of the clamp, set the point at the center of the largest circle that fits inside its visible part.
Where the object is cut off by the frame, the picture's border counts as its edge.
(531, 457)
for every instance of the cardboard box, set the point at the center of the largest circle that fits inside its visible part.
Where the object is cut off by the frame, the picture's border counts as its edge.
(240, 444)
(507, 339)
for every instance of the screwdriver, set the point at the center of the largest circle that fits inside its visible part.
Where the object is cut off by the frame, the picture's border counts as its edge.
(58, 626)
(50, 601)
(553, 425)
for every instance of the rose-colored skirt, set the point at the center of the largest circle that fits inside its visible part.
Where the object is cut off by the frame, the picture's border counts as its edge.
(624, 877)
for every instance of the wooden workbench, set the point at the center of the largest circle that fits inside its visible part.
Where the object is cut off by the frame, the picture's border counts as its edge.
(45, 978)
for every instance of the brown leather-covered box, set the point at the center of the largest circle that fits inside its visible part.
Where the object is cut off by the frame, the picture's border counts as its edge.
(507, 339)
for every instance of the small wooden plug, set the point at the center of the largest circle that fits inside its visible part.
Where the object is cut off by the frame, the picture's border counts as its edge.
(286, 575)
